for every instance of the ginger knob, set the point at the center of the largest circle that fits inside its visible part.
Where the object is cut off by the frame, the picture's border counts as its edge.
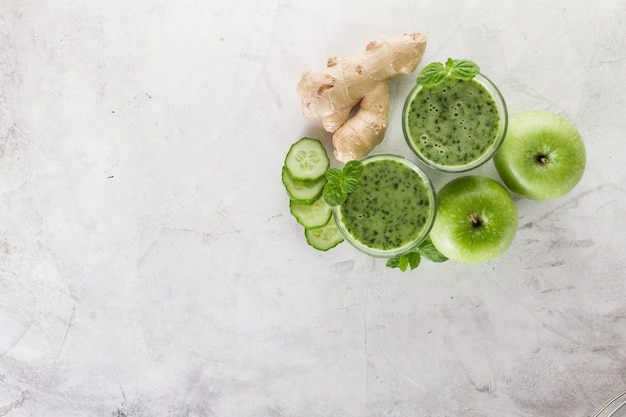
(351, 95)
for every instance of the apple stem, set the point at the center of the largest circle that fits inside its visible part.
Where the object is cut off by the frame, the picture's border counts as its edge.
(543, 159)
(474, 218)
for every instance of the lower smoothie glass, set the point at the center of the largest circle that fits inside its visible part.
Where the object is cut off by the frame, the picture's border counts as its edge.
(391, 211)
(455, 125)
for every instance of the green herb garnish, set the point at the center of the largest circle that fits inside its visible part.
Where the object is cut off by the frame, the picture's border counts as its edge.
(436, 72)
(413, 258)
(341, 182)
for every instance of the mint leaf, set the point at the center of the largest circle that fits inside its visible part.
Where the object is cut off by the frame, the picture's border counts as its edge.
(430, 252)
(436, 72)
(333, 193)
(414, 259)
(393, 262)
(341, 182)
(351, 184)
(408, 260)
(432, 74)
(403, 263)
(334, 174)
(463, 69)
(352, 172)
(353, 169)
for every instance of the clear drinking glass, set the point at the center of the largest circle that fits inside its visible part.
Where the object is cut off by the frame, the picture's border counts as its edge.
(375, 207)
(445, 108)
(615, 408)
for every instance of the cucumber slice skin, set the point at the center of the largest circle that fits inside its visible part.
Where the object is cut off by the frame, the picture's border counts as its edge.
(307, 160)
(300, 191)
(324, 237)
(311, 215)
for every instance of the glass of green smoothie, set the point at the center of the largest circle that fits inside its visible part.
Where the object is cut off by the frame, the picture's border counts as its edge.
(391, 211)
(455, 125)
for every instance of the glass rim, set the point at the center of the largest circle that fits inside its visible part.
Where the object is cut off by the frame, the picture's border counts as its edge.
(612, 406)
(381, 253)
(485, 157)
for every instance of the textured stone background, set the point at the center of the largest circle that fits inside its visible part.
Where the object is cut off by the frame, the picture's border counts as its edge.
(149, 265)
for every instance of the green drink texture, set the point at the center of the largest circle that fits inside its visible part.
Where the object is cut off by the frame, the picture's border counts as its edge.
(454, 125)
(392, 208)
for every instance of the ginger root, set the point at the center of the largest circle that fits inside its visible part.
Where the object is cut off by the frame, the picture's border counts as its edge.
(351, 95)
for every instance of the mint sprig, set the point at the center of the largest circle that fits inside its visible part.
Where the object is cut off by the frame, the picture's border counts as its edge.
(436, 72)
(413, 259)
(341, 182)
(430, 252)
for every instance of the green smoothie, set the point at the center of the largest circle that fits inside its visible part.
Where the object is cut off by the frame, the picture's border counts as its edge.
(454, 125)
(391, 210)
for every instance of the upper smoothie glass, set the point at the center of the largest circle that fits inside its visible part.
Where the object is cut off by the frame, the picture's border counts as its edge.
(455, 125)
(391, 211)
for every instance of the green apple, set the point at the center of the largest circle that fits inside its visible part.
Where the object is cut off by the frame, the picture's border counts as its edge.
(476, 219)
(542, 157)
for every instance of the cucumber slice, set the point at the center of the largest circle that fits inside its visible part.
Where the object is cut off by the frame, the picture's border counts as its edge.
(307, 160)
(311, 215)
(324, 237)
(303, 192)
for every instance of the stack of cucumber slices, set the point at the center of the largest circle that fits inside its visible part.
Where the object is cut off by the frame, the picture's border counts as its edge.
(304, 177)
